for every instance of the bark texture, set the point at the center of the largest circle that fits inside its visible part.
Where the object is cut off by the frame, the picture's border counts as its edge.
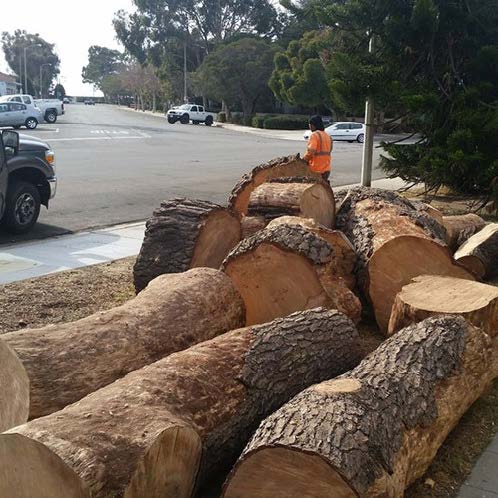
(394, 242)
(290, 166)
(432, 295)
(251, 225)
(184, 234)
(14, 389)
(480, 253)
(143, 435)
(461, 227)
(285, 269)
(373, 431)
(66, 362)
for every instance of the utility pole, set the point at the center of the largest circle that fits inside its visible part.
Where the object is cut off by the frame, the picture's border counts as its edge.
(366, 167)
(185, 96)
(20, 69)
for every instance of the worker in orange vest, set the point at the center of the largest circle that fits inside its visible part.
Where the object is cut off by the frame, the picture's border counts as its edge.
(320, 145)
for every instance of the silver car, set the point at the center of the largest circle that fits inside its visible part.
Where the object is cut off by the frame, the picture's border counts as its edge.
(16, 115)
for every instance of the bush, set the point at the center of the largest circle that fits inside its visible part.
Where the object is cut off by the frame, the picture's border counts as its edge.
(222, 117)
(258, 121)
(236, 118)
(286, 123)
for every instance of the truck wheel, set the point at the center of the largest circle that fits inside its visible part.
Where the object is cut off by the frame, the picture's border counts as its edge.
(51, 117)
(171, 120)
(31, 123)
(185, 119)
(209, 121)
(22, 207)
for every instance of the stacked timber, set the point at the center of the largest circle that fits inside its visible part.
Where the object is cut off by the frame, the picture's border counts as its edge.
(460, 228)
(65, 362)
(184, 234)
(146, 434)
(394, 242)
(430, 295)
(373, 431)
(285, 269)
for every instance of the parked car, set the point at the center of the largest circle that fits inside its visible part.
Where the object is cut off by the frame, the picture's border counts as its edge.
(89, 102)
(190, 112)
(49, 108)
(17, 115)
(27, 180)
(344, 131)
(66, 100)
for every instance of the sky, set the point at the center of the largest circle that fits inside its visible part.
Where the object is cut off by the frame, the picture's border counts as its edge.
(72, 26)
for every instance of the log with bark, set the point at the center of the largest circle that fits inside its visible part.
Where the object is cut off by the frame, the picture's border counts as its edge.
(480, 253)
(143, 435)
(373, 431)
(285, 269)
(394, 242)
(66, 362)
(184, 234)
(460, 228)
(304, 199)
(14, 389)
(251, 225)
(290, 166)
(430, 295)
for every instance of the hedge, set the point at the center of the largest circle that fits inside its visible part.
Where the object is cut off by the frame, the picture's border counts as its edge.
(286, 123)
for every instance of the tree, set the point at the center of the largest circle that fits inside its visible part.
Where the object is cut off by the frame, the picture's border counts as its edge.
(59, 91)
(102, 62)
(237, 73)
(43, 54)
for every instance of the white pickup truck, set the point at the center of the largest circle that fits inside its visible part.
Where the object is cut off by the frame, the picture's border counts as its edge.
(190, 112)
(50, 109)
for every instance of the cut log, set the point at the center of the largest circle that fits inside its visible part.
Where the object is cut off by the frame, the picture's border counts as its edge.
(345, 257)
(394, 242)
(480, 253)
(460, 228)
(285, 269)
(251, 225)
(14, 389)
(429, 211)
(373, 431)
(290, 166)
(142, 437)
(184, 234)
(306, 200)
(66, 362)
(431, 295)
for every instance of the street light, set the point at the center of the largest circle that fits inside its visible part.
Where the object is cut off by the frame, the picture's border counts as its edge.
(41, 75)
(25, 65)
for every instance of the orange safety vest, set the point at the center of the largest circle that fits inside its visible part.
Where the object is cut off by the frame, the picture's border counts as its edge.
(319, 152)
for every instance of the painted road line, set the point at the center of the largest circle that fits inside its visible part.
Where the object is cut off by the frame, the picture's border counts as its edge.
(92, 138)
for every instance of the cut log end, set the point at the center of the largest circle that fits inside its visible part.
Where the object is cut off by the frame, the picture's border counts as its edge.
(460, 228)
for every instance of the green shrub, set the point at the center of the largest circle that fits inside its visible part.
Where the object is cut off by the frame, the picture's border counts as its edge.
(236, 118)
(258, 121)
(222, 117)
(286, 122)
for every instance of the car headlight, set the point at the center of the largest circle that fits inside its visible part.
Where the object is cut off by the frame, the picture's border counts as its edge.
(50, 158)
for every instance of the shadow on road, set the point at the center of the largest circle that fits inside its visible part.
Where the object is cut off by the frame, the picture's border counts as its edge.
(39, 231)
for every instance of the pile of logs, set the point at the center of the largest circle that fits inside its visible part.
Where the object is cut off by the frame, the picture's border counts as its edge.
(245, 316)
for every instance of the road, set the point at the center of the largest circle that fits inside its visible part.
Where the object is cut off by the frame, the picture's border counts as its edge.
(116, 166)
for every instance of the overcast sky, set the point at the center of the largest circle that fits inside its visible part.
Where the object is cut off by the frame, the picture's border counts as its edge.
(72, 26)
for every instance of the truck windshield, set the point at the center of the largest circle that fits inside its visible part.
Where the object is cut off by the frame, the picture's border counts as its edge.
(185, 107)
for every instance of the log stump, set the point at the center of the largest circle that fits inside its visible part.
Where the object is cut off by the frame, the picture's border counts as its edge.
(285, 269)
(14, 389)
(461, 227)
(65, 362)
(184, 234)
(430, 295)
(394, 242)
(373, 431)
(480, 253)
(142, 437)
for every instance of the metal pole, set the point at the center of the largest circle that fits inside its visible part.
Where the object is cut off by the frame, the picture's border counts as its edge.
(41, 84)
(25, 89)
(185, 96)
(20, 69)
(366, 168)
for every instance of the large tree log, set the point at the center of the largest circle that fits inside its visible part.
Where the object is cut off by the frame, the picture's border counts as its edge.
(394, 242)
(14, 389)
(461, 227)
(290, 166)
(66, 362)
(285, 269)
(184, 234)
(251, 225)
(431, 295)
(374, 430)
(142, 436)
(306, 200)
(480, 253)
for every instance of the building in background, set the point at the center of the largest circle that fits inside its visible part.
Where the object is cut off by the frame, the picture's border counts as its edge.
(9, 84)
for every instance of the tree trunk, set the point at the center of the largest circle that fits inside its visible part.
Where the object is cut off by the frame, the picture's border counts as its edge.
(143, 436)
(394, 242)
(251, 225)
(154, 101)
(185, 234)
(286, 269)
(14, 389)
(460, 228)
(372, 431)
(430, 295)
(290, 166)
(68, 361)
(306, 200)
(480, 253)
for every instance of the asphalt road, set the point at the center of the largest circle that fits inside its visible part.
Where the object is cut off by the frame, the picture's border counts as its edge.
(116, 166)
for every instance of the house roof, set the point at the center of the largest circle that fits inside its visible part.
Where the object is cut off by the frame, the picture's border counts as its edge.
(8, 78)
